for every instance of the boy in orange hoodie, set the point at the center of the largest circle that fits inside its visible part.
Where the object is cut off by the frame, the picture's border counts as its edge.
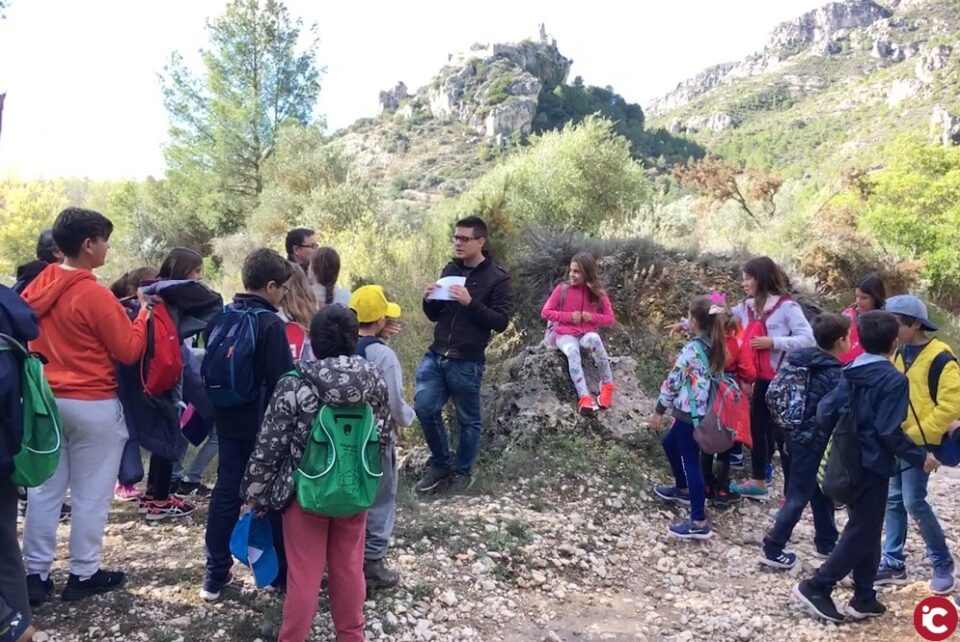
(83, 331)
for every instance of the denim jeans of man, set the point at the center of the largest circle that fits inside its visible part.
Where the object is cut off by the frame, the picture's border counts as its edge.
(908, 496)
(224, 510)
(440, 379)
(802, 490)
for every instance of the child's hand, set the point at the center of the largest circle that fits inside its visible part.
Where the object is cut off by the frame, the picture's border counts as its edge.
(747, 389)
(761, 343)
(577, 316)
(931, 463)
(656, 421)
(585, 317)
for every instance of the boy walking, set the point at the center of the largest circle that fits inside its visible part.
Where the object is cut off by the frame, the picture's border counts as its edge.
(820, 369)
(265, 274)
(876, 394)
(83, 331)
(372, 310)
(934, 382)
(453, 366)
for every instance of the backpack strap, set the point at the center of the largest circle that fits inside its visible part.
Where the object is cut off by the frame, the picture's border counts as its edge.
(364, 343)
(936, 369)
(563, 294)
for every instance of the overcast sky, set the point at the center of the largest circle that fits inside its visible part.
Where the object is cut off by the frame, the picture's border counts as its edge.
(81, 76)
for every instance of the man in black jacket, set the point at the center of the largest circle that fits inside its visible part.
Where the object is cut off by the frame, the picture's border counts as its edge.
(47, 253)
(453, 366)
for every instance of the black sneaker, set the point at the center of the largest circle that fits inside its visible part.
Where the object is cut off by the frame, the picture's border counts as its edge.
(211, 589)
(725, 499)
(38, 591)
(65, 512)
(862, 609)
(823, 552)
(378, 575)
(459, 483)
(819, 602)
(194, 489)
(101, 582)
(432, 478)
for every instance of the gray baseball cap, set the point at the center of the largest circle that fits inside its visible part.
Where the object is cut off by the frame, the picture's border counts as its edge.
(911, 306)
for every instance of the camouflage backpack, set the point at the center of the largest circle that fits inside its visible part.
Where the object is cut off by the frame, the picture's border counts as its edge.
(787, 396)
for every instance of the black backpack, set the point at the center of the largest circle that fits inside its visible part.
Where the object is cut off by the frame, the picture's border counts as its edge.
(841, 469)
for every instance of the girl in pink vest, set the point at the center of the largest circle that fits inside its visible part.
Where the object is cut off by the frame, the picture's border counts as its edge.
(575, 312)
(871, 295)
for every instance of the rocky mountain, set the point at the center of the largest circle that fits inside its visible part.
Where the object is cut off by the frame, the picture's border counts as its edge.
(828, 87)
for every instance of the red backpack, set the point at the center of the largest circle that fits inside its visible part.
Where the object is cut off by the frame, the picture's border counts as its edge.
(757, 327)
(162, 364)
(297, 338)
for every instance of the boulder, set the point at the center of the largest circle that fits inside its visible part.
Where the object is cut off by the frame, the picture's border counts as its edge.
(390, 99)
(931, 61)
(539, 396)
(514, 115)
(944, 126)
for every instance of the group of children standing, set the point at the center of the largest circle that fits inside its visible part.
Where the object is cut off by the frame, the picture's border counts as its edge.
(873, 365)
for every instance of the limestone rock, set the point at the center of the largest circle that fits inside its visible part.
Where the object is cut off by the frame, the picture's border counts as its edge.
(390, 99)
(932, 61)
(823, 24)
(900, 90)
(944, 126)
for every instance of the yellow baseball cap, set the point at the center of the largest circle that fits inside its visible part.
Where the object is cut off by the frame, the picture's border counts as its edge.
(370, 304)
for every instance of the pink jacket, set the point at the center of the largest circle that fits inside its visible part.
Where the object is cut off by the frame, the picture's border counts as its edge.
(577, 300)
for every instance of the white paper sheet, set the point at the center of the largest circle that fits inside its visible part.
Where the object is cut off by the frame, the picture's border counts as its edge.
(442, 293)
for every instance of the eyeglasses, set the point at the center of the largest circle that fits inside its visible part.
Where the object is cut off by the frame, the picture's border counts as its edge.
(286, 290)
(312, 246)
(457, 238)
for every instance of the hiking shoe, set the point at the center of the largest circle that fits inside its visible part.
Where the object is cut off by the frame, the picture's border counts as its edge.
(65, 512)
(101, 582)
(859, 609)
(889, 576)
(146, 501)
(688, 530)
(38, 591)
(736, 461)
(211, 589)
(459, 483)
(784, 561)
(126, 492)
(193, 489)
(605, 399)
(378, 576)
(768, 474)
(756, 493)
(671, 495)
(172, 507)
(725, 499)
(432, 478)
(818, 602)
(586, 407)
(942, 581)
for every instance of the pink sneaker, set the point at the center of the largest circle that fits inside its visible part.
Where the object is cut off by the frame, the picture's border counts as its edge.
(124, 493)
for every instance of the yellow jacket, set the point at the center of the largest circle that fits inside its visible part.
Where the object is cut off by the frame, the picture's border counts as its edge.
(934, 418)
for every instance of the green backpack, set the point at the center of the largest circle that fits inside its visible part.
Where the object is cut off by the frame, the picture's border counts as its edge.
(42, 430)
(340, 469)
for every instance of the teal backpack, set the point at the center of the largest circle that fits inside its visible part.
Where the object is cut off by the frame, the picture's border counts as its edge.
(42, 429)
(340, 469)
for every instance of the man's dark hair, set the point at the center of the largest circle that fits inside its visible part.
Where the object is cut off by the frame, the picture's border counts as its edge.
(47, 247)
(75, 225)
(295, 238)
(367, 326)
(334, 332)
(878, 331)
(476, 224)
(264, 265)
(828, 328)
(907, 320)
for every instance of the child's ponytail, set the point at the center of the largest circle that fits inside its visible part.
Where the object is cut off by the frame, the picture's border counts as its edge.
(712, 319)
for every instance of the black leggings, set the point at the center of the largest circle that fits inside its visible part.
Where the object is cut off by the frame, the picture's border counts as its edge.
(766, 434)
(159, 477)
(719, 480)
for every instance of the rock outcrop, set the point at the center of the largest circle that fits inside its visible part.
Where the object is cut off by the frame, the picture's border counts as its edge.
(495, 89)
(391, 99)
(539, 396)
(932, 61)
(822, 25)
(944, 126)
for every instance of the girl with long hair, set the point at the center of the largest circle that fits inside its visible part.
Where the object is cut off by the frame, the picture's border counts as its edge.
(686, 391)
(575, 312)
(871, 294)
(326, 271)
(297, 309)
(774, 327)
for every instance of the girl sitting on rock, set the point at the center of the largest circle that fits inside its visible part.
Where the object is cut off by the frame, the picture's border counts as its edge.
(575, 312)
(686, 391)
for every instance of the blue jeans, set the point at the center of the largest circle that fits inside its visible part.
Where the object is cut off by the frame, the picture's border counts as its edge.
(440, 379)
(382, 516)
(201, 460)
(131, 466)
(801, 490)
(225, 510)
(908, 495)
(684, 457)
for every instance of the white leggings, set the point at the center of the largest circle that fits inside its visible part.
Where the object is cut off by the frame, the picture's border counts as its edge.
(570, 346)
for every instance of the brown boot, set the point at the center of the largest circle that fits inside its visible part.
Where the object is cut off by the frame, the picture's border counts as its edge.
(378, 576)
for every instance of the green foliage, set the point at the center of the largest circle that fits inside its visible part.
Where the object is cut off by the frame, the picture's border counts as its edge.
(497, 90)
(310, 183)
(563, 104)
(913, 205)
(578, 178)
(25, 210)
(224, 122)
